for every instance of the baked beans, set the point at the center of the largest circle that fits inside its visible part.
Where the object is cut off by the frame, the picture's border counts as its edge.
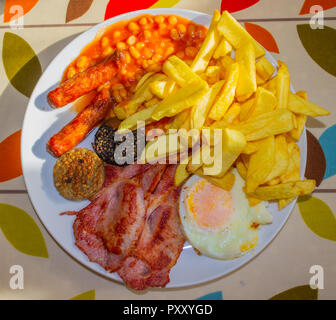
(145, 42)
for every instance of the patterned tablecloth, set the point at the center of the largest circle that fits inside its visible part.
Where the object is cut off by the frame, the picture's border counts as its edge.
(306, 244)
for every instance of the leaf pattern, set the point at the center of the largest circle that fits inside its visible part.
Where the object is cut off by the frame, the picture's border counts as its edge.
(328, 143)
(23, 70)
(76, 8)
(297, 293)
(320, 44)
(88, 295)
(10, 159)
(316, 162)
(21, 231)
(325, 4)
(22, 66)
(165, 3)
(115, 8)
(212, 296)
(263, 36)
(26, 6)
(237, 5)
(318, 217)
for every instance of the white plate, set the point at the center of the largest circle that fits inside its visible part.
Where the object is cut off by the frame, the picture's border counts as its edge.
(41, 122)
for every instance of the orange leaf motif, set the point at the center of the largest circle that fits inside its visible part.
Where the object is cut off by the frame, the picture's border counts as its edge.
(325, 4)
(11, 13)
(234, 6)
(10, 159)
(263, 36)
(76, 8)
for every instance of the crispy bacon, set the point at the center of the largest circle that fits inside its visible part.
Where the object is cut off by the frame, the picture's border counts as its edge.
(84, 82)
(121, 223)
(161, 241)
(75, 131)
(115, 173)
(89, 242)
(149, 179)
(132, 225)
(85, 225)
(157, 251)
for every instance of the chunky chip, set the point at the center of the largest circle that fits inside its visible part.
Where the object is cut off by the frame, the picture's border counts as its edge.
(222, 49)
(158, 88)
(179, 71)
(226, 182)
(140, 96)
(158, 149)
(285, 190)
(209, 45)
(300, 119)
(152, 102)
(252, 146)
(260, 165)
(245, 109)
(233, 142)
(282, 85)
(199, 157)
(235, 34)
(143, 115)
(299, 105)
(264, 101)
(241, 168)
(200, 110)
(182, 99)
(247, 84)
(264, 69)
(281, 159)
(266, 124)
(226, 96)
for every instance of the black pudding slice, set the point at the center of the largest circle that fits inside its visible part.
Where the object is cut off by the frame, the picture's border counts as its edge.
(118, 148)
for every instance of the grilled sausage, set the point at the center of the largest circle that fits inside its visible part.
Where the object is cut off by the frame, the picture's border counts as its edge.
(75, 131)
(84, 82)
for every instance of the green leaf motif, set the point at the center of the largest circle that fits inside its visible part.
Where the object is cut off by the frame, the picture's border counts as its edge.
(21, 231)
(22, 66)
(164, 4)
(320, 44)
(318, 217)
(88, 295)
(297, 293)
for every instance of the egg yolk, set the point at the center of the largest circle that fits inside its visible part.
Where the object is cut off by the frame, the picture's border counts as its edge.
(210, 206)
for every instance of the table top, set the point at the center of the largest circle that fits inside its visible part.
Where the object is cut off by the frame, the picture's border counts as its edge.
(32, 32)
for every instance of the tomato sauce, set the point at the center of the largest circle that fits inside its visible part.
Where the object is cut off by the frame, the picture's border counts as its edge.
(145, 41)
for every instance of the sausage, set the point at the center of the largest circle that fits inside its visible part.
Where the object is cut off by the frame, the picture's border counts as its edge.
(75, 131)
(84, 82)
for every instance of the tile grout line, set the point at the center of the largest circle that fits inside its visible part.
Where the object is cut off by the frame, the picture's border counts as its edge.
(283, 19)
(324, 191)
(93, 24)
(13, 191)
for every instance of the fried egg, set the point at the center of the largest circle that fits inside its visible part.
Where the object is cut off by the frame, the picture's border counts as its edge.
(218, 223)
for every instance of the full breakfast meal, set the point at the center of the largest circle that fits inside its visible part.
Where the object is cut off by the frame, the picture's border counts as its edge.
(174, 101)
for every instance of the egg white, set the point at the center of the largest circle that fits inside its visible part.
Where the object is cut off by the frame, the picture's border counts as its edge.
(237, 236)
